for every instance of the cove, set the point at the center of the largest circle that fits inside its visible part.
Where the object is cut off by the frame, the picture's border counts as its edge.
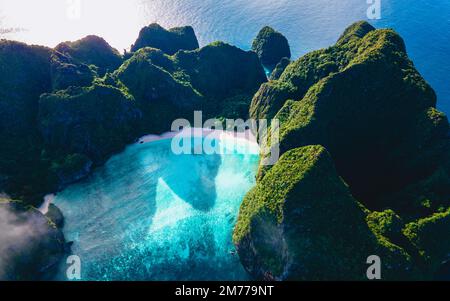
(149, 214)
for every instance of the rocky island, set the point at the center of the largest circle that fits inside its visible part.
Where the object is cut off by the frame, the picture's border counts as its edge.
(365, 165)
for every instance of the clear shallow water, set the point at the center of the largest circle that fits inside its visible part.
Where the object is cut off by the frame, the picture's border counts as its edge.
(308, 24)
(149, 214)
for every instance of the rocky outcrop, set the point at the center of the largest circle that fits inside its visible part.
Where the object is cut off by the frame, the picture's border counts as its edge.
(301, 223)
(66, 72)
(279, 68)
(31, 246)
(374, 113)
(25, 75)
(55, 215)
(170, 41)
(303, 73)
(94, 121)
(160, 96)
(366, 104)
(430, 236)
(92, 50)
(42, 133)
(169, 87)
(271, 46)
(70, 169)
(220, 70)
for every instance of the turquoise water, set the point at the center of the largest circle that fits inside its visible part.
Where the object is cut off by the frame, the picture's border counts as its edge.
(149, 214)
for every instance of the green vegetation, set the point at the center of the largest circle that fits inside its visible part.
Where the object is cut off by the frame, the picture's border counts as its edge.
(279, 68)
(25, 75)
(67, 72)
(33, 247)
(70, 168)
(271, 46)
(71, 107)
(170, 41)
(94, 121)
(365, 165)
(368, 113)
(92, 50)
(188, 81)
(301, 223)
(364, 101)
(430, 236)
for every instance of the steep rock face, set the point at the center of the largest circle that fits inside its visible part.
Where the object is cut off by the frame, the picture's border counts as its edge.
(95, 121)
(170, 41)
(271, 46)
(168, 87)
(303, 73)
(70, 168)
(364, 101)
(220, 70)
(24, 75)
(38, 151)
(431, 237)
(279, 68)
(65, 72)
(270, 98)
(376, 114)
(31, 245)
(161, 97)
(301, 223)
(92, 50)
(55, 215)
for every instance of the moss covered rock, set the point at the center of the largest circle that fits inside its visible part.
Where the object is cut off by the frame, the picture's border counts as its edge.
(55, 215)
(386, 223)
(94, 121)
(92, 50)
(168, 87)
(25, 75)
(170, 41)
(220, 70)
(375, 114)
(279, 68)
(161, 97)
(301, 223)
(70, 168)
(32, 247)
(431, 237)
(66, 72)
(308, 70)
(365, 102)
(271, 46)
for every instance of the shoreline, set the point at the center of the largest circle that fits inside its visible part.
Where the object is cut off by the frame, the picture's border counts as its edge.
(246, 137)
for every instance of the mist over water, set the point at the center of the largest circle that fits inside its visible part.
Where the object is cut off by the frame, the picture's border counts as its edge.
(149, 214)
